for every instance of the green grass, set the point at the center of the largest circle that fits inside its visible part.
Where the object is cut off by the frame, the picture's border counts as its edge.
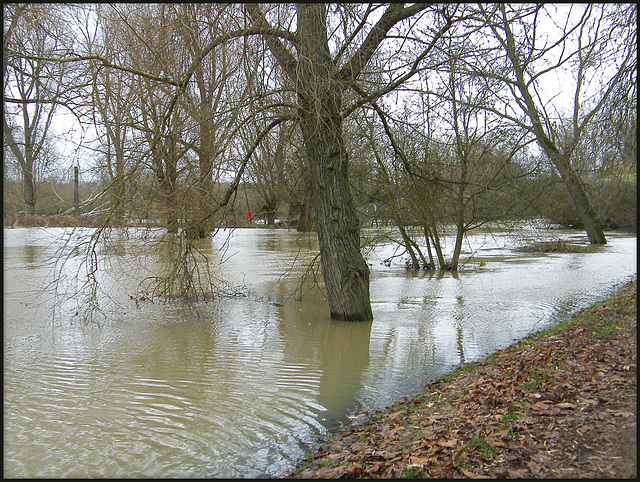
(535, 381)
(603, 333)
(410, 472)
(480, 445)
(458, 371)
(509, 417)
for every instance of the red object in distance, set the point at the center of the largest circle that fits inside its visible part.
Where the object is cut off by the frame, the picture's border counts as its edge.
(248, 215)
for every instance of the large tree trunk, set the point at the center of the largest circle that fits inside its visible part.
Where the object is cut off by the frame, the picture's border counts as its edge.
(204, 186)
(562, 162)
(346, 274)
(169, 186)
(29, 193)
(271, 209)
(118, 191)
(28, 179)
(304, 217)
(457, 249)
(319, 85)
(167, 178)
(25, 161)
(578, 195)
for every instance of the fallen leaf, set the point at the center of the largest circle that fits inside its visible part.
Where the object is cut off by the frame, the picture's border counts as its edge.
(335, 457)
(373, 468)
(534, 467)
(395, 472)
(418, 460)
(397, 415)
(358, 447)
(586, 428)
(517, 473)
(383, 454)
(541, 406)
(622, 413)
(468, 473)
(449, 443)
(565, 405)
(330, 473)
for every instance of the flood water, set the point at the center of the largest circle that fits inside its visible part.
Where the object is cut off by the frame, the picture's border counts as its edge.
(242, 386)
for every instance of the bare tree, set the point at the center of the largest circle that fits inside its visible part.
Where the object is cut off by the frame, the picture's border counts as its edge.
(586, 42)
(321, 78)
(213, 101)
(33, 88)
(270, 94)
(114, 106)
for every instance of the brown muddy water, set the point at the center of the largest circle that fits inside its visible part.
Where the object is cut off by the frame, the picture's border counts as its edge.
(242, 386)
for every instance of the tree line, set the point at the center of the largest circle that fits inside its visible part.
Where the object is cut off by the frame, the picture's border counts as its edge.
(426, 116)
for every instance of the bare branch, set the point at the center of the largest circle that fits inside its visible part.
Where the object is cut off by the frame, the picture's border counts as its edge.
(284, 57)
(395, 13)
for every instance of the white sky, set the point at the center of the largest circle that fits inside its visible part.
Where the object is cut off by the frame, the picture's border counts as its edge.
(558, 88)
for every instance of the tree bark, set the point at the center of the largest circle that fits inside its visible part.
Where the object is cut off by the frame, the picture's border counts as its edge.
(345, 271)
(457, 249)
(319, 86)
(577, 194)
(25, 161)
(27, 175)
(562, 162)
(29, 190)
(167, 178)
(271, 209)
(304, 211)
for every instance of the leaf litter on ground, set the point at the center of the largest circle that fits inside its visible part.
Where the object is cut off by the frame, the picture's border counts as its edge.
(558, 404)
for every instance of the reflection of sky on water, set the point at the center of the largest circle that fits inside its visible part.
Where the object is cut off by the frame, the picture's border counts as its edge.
(237, 387)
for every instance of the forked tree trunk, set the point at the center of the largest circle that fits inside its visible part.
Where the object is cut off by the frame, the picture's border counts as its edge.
(319, 85)
(346, 274)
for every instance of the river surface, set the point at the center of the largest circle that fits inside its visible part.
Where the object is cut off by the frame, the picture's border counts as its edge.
(242, 386)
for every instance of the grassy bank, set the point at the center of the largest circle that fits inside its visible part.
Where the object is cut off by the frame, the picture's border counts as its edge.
(560, 403)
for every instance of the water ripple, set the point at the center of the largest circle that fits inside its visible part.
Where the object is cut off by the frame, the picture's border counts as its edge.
(238, 388)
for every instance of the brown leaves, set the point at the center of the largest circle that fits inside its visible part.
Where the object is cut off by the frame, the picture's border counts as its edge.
(541, 406)
(553, 406)
(449, 443)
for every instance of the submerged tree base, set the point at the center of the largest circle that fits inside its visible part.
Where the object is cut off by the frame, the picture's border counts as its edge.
(559, 404)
